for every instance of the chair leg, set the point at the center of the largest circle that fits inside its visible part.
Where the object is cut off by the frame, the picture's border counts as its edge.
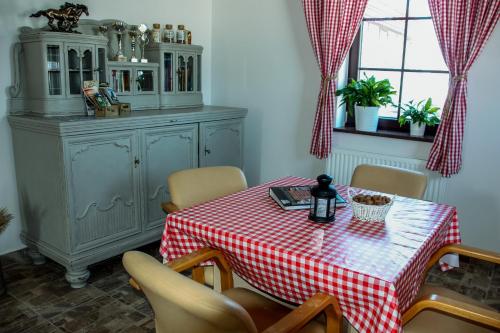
(198, 274)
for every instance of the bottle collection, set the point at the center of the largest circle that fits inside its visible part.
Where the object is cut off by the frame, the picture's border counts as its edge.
(169, 35)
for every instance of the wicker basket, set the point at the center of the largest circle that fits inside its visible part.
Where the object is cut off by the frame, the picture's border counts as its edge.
(369, 213)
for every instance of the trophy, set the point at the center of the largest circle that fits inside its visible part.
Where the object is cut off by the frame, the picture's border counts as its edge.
(119, 26)
(102, 29)
(133, 38)
(144, 39)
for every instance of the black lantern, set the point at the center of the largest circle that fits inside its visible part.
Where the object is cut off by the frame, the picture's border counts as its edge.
(323, 200)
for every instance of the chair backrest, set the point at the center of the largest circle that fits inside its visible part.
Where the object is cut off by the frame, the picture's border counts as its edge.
(391, 180)
(180, 304)
(193, 186)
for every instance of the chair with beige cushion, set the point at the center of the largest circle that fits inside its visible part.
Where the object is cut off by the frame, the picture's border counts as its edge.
(194, 186)
(391, 180)
(437, 309)
(182, 305)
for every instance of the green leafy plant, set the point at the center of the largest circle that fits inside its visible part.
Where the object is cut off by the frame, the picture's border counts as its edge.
(366, 92)
(422, 112)
(5, 218)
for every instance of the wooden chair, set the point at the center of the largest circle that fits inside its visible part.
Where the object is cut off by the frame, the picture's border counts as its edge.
(391, 180)
(181, 305)
(437, 309)
(194, 186)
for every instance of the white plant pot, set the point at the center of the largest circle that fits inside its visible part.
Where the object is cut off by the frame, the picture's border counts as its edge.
(366, 118)
(417, 130)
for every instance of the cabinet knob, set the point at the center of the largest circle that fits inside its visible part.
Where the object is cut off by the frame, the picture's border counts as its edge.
(207, 151)
(136, 162)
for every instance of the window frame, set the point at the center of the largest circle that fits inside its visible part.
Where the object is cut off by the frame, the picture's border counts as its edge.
(387, 123)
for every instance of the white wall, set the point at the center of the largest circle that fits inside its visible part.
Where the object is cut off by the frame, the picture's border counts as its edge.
(195, 14)
(262, 59)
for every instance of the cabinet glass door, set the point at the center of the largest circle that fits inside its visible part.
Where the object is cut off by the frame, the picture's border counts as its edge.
(87, 65)
(145, 80)
(198, 72)
(54, 69)
(181, 73)
(75, 78)
(101, 64)
(120, 81)
(168, 67)
(190, 73)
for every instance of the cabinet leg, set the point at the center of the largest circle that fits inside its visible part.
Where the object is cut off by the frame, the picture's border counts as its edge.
(37, 257)
(77, 277)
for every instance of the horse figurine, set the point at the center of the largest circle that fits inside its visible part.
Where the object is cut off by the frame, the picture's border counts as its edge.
(67, 16)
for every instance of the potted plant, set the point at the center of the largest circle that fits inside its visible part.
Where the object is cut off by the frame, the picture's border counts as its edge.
(419, 115)
(366, 96)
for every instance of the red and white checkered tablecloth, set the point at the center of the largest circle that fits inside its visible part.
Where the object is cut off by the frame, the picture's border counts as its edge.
(372, 268)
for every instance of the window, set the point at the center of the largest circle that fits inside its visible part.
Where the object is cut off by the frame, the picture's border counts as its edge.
(397, 41)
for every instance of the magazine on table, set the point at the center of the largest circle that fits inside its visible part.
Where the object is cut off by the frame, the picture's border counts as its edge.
(297, 197)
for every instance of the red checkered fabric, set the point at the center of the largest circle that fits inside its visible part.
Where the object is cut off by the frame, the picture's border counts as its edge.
(462, 29)
(373, 269)
(332, 27)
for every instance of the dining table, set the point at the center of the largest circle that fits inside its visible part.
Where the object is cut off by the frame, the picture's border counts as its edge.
(374, 269)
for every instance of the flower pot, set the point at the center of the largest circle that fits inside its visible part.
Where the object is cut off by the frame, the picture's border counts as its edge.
(366, 118)
(417, 130)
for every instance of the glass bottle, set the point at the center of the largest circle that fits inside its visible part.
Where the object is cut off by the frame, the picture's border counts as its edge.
(181, 34)
(188, 37)
(155, 33)
(168, 34)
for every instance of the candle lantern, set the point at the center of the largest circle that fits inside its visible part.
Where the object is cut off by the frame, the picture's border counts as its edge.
(323, 200)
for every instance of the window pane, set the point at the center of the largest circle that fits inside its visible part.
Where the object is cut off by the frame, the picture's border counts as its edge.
(395, 79)
(386, 8)
(422, 48)
(382, 44)
(419, 86)
(419, 8)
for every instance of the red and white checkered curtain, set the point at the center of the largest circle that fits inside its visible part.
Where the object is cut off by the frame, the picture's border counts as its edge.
(332, 27)
(462, 28)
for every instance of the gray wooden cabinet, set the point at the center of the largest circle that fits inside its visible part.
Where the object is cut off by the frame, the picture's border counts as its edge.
(91, 188)
(221, 143)
(49, 70)
(135, 83)
(165, 150)
(180, 73)
(104, 199)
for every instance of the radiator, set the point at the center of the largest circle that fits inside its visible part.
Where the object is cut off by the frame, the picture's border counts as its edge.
(342, 163)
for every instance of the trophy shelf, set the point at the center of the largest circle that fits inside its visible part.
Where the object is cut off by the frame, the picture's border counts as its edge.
(50, 68)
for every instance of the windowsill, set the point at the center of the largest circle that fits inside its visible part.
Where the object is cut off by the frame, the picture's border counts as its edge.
(385, 134)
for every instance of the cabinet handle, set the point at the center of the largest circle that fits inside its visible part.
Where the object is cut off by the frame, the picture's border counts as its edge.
(136, 162)
(207, 151)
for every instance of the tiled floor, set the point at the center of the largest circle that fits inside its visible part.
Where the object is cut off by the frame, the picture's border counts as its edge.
(40, 300)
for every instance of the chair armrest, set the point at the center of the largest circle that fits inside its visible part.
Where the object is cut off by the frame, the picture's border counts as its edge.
(298, 318)
(194, 259)
(169, 207)
(468, 251)
(453, 307)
